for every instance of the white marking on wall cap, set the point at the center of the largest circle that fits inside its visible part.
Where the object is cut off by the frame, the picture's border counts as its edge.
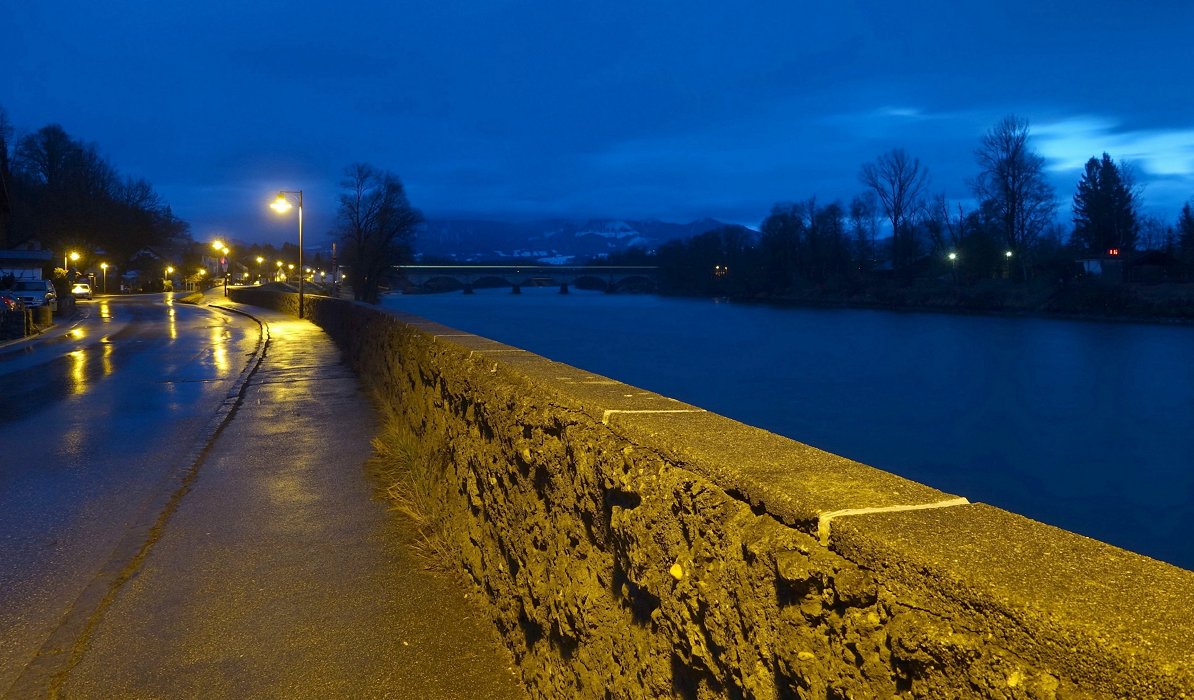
(492, 352)
(605, 416)
(826, 518)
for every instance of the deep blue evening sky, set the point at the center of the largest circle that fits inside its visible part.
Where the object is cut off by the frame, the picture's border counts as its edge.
(520, 109)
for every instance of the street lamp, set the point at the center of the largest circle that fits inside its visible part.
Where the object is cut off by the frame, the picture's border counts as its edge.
(223, 250)
(282, 205)
(104, 267)
(953, 261)
(74, 257)
(259, 261)
(169, 271)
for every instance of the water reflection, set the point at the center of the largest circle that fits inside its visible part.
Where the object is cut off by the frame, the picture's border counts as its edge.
(78, 371)
(106, 358)
(171, 321)
(219, 349)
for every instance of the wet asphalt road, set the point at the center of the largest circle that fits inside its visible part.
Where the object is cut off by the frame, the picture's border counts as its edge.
(94, 423)
(185, 512)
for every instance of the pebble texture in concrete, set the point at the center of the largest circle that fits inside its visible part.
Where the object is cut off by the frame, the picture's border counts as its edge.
(634, 547)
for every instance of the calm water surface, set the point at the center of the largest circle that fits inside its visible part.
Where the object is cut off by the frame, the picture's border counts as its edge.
(1087, 426)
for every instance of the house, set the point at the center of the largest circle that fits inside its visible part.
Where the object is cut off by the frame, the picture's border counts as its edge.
(1108, 266)
(24, 264)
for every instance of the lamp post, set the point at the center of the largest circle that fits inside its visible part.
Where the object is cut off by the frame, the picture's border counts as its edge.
(104, 267)
(169, 271)
(74, 257)
(282, 205)
(953, 261)
(222, 249)
(259, 261)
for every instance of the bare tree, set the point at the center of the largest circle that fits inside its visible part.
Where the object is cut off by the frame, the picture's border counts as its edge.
(376, 224)
(1012, 182)
(899, 181)
(863, 226)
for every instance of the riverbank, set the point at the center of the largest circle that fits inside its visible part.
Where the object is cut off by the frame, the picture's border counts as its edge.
(1095, 300)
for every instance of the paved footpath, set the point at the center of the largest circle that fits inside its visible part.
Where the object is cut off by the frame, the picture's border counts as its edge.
(281, 575)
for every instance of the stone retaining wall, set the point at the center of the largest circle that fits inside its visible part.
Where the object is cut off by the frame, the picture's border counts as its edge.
(632, 546)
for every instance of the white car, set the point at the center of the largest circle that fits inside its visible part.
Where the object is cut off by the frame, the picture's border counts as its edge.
(81, 290)
(36, 293)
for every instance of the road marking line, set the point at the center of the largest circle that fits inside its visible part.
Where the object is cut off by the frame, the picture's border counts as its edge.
(825, 519)
(605, 416)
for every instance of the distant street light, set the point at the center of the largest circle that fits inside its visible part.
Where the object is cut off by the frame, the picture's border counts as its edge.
(953, 262)
(74, 257)
(282, 205)
(104, 267)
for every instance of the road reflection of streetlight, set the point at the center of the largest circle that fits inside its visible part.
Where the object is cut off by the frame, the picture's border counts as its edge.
(78, 371)
(106, 358)
(171, 322)
(219, 348)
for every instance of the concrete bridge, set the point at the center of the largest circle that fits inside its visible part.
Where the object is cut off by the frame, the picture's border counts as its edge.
(610, 278)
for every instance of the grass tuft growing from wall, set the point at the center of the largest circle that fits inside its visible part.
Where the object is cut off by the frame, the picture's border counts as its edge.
(411, 474)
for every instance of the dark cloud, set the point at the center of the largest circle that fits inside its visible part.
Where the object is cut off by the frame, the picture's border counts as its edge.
(520, 108)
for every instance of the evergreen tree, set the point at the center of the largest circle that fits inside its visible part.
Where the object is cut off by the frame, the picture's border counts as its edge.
(1105, 215)
(1185, 236)
(1185, 229)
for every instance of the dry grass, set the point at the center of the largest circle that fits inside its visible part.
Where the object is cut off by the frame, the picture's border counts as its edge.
(411, 473)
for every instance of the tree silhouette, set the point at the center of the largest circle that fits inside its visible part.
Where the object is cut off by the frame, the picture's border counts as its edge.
(1105, 215)
(377, 225)
(1012, 183)
(898, 180)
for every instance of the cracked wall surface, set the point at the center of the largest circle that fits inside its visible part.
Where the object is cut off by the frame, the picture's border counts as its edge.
(631, 546)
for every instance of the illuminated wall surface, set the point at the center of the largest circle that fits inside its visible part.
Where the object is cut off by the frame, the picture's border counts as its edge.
(634, 546)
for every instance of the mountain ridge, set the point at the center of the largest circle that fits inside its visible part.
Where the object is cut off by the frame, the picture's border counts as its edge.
(549, 240)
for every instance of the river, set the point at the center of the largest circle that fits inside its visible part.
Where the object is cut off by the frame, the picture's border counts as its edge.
(1088, 426)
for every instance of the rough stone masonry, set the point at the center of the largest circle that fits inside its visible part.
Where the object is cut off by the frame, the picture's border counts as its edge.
(631, 546)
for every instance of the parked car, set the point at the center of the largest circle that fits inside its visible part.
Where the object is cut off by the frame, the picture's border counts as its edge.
(8, 301)
(36, 293)
(81, 290)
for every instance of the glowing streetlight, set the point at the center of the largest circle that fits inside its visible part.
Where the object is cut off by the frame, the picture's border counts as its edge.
(221, 247)
(282, 205)
(74, 257)
(104, 267)
(1007, 254)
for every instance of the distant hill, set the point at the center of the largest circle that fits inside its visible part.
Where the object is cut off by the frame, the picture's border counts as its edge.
(547, 240)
